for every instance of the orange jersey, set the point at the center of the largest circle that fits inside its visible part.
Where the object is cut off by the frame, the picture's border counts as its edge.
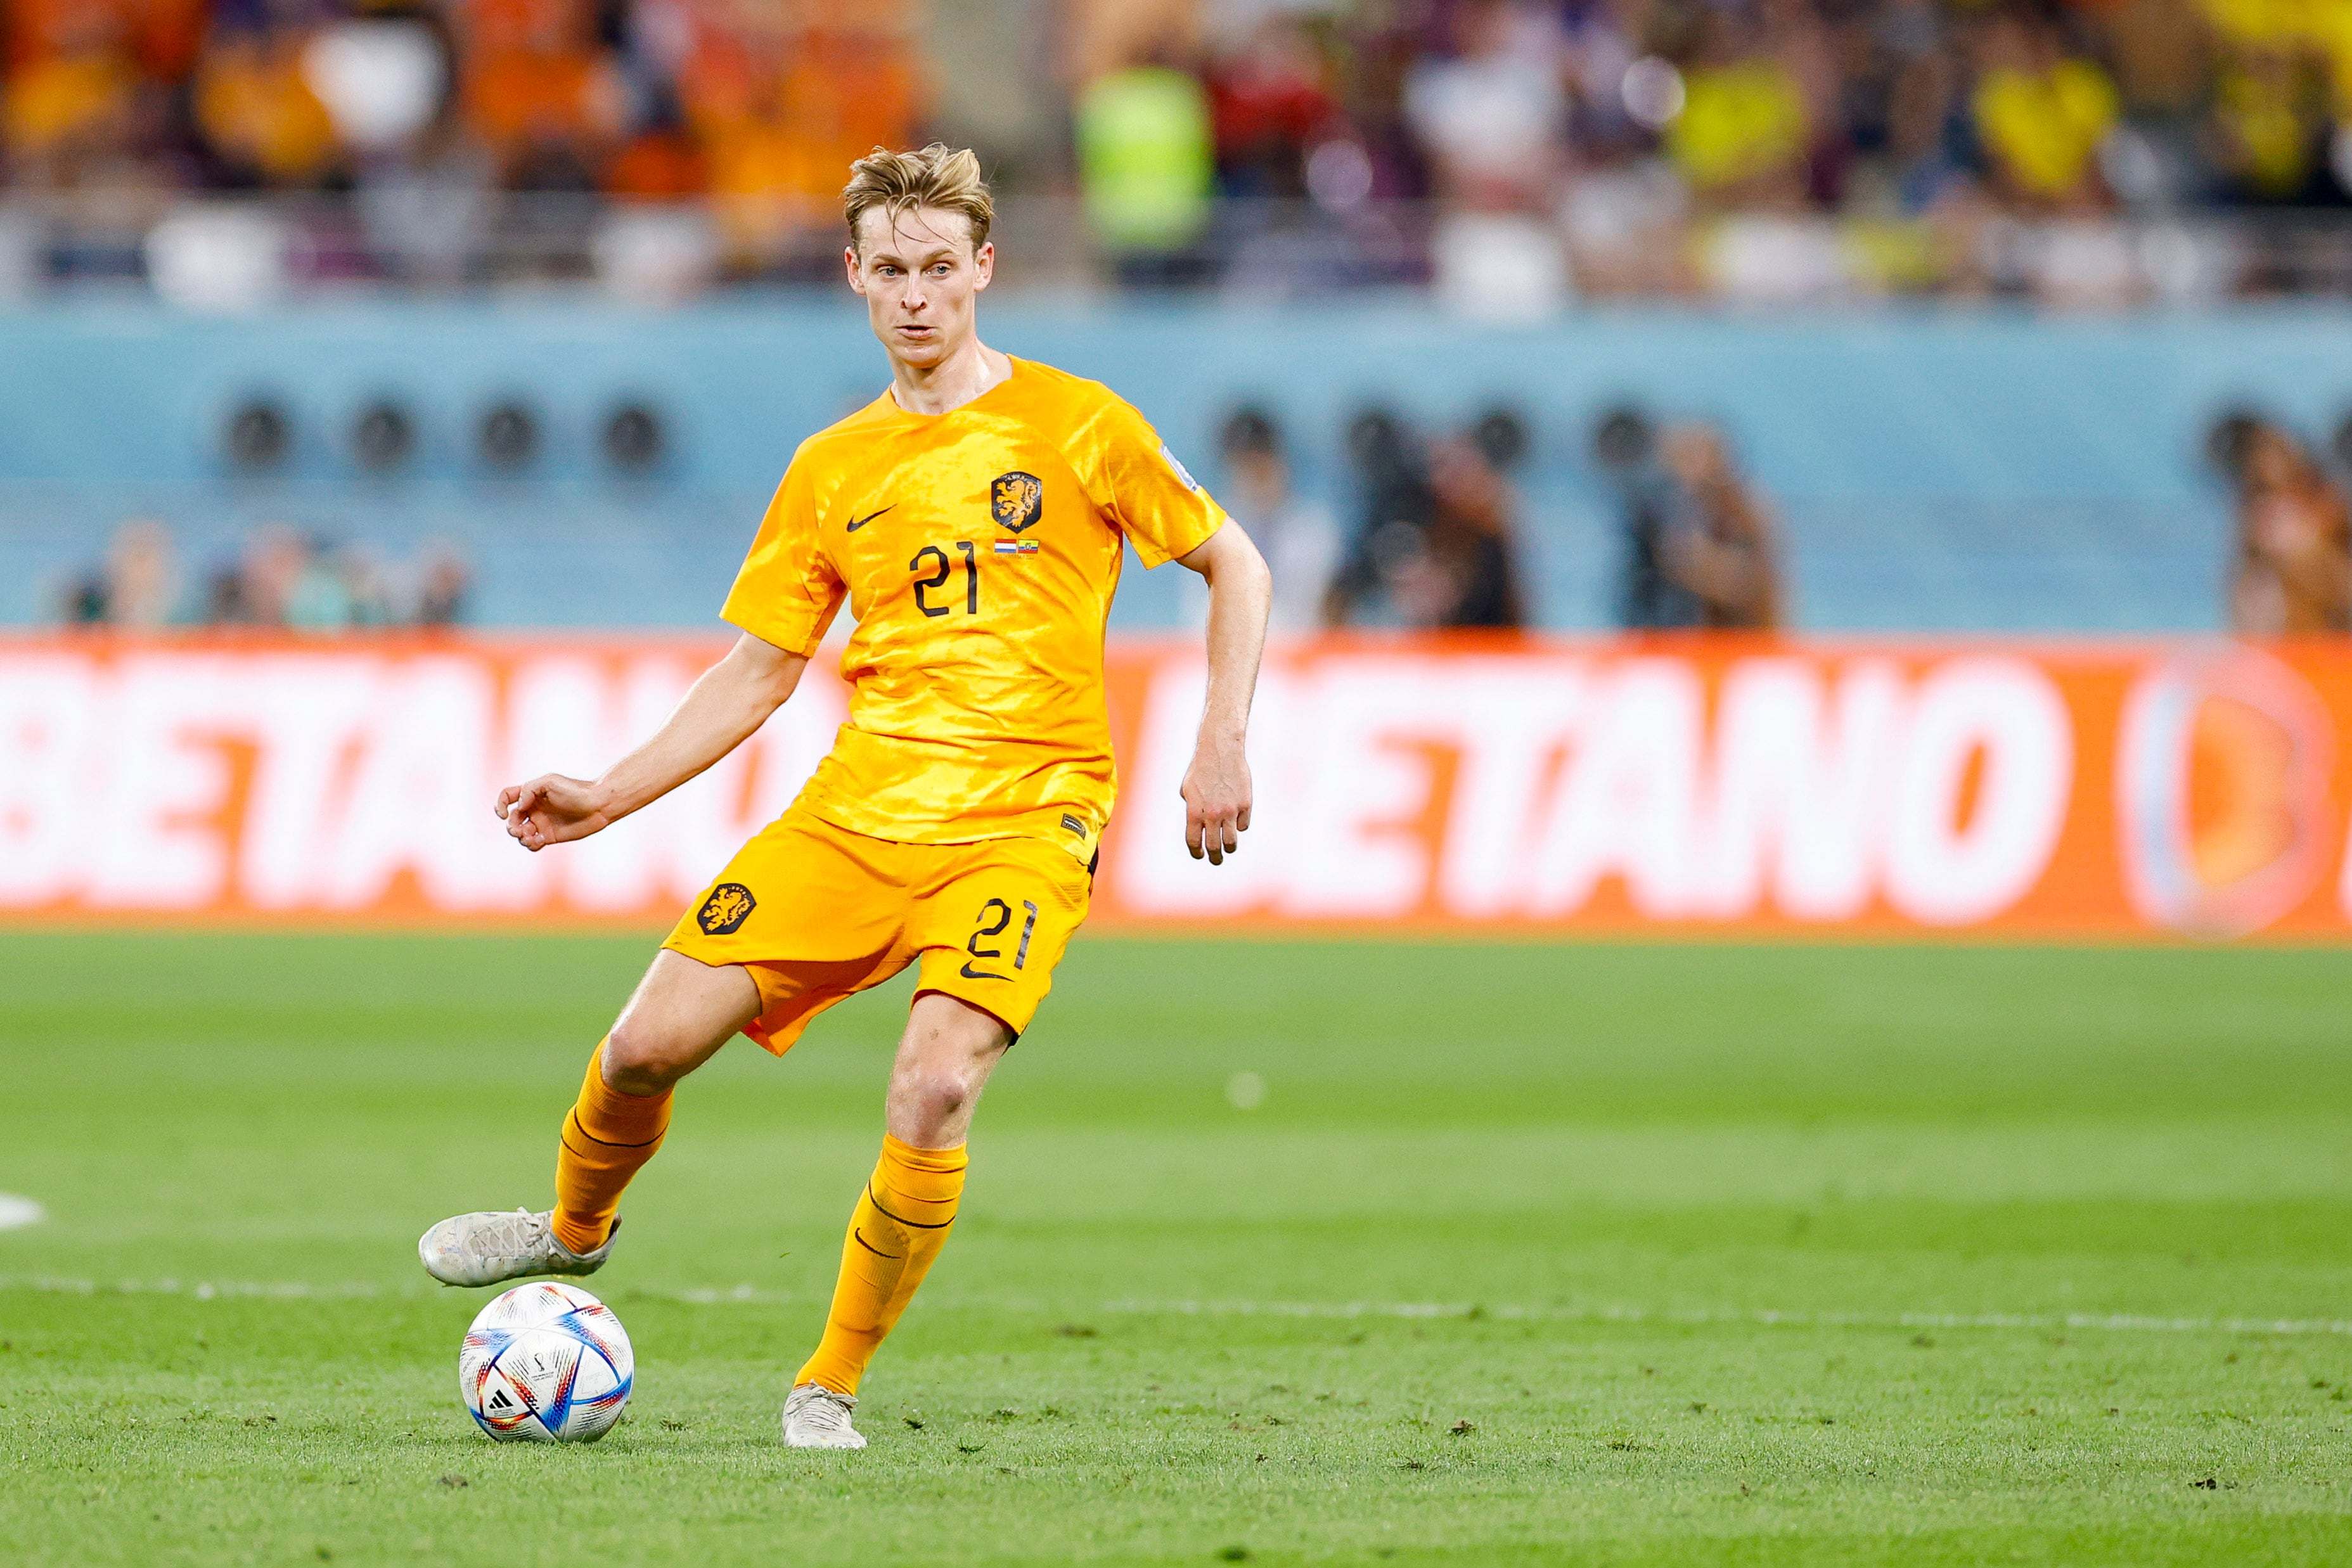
(978, 550)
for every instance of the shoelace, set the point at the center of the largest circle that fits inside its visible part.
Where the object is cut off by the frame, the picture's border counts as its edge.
(827, 1410)
(513, 1235)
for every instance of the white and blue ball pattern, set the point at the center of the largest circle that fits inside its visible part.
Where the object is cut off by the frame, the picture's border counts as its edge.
(546, 1364)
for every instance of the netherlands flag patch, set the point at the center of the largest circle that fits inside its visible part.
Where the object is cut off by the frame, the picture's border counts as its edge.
(1016, 547)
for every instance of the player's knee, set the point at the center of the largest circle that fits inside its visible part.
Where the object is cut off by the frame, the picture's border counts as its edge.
(927, 1098)
(638, 1061)
(938, 1094)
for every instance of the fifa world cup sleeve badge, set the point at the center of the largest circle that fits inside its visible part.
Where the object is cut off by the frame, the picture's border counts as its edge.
(725, 911)
(1181, 472)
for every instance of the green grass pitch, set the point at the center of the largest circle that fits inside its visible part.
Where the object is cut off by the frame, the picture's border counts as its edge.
(1543, 1254)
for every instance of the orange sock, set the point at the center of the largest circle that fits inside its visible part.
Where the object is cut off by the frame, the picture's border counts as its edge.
(900, 1223)
(607, 1139)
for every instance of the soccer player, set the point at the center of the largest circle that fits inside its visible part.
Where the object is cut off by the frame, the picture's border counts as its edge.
(973, 516)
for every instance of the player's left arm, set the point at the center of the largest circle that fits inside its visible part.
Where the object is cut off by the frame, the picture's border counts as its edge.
(1217, 785)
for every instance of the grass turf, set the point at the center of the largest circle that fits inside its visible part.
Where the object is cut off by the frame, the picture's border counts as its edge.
(1531, 1254)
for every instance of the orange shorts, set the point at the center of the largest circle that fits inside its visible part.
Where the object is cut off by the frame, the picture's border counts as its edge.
(816, 913)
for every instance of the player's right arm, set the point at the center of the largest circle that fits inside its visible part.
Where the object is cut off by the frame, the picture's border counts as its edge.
(784, 599)
(720, 712)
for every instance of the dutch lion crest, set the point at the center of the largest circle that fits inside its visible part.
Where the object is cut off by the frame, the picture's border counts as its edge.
(1016, 500)
(725, 911)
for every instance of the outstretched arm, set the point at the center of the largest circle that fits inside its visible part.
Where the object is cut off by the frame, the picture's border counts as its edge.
(733, 699)
(1217, 785)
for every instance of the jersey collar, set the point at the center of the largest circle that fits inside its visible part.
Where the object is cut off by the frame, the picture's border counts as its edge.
(888, 401)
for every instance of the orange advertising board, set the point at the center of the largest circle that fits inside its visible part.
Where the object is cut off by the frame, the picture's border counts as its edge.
(2097, 789)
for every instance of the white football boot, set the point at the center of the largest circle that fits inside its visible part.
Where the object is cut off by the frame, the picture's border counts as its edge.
(817, 1417)
(485, 1248)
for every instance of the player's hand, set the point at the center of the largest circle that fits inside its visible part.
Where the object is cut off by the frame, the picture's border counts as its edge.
(551, 809)
(1216, 800)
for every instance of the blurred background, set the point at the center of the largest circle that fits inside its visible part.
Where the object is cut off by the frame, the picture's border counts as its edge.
(1829, 314)
(1922, 332)
(1797, 482)
(1509, 155)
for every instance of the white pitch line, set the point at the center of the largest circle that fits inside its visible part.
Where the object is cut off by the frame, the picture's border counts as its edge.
(201, 1289)
(1762, 1316)
(749, 1295)
(16, 1213)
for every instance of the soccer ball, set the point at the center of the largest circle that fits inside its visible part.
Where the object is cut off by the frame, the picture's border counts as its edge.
(546, 1364)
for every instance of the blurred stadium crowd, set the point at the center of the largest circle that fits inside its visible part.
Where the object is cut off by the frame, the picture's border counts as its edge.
(1434, 544)
(1513, 155)
(1431, 538)
(283, 580)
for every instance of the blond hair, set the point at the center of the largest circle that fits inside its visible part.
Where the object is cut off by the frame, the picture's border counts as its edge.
(946, 178)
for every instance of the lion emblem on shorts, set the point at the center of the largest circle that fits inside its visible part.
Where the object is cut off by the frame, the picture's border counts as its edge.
(725, 911)
(1016, 500)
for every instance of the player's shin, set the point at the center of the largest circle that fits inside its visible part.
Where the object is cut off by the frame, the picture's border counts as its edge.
(896, 1233)
(608, 1138)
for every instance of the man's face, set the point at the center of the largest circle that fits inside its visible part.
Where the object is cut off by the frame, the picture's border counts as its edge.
(919, 276)
(1259, 478)
(2270, 461)
(1696, 456)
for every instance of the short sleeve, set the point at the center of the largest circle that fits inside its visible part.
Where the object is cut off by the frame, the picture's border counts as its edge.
(1162, 509)
(787, 591)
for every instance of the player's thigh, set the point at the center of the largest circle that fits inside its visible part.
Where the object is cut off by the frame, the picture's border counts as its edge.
(945, 1058)
(948, 1040)
(680, 1015)
(991, 928)
(811, 912)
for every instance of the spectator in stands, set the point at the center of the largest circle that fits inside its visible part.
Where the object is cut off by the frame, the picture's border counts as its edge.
(1147, 169)
(1268, 106)
(662, 158)
(1745, 126)
(1439, 551)
(1718, 546)
(321, 598)
(256, 589)
(143, 588)
(367, 588)
(257, 114)
(1803, 43)
(1914, 130)
(444, 588)
(2293, 569)
(729, 83)
(137, 589)
(1473, 541)
(225, 600)
(1492, 114)
(2269, 126)
(538, 91)
(74, 101)
(853, 85)
(1392, 480)
(302, 583)
(2277, 100)
(782, 101)
(1650, 598)
(2041, 111)
(1298, 536)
